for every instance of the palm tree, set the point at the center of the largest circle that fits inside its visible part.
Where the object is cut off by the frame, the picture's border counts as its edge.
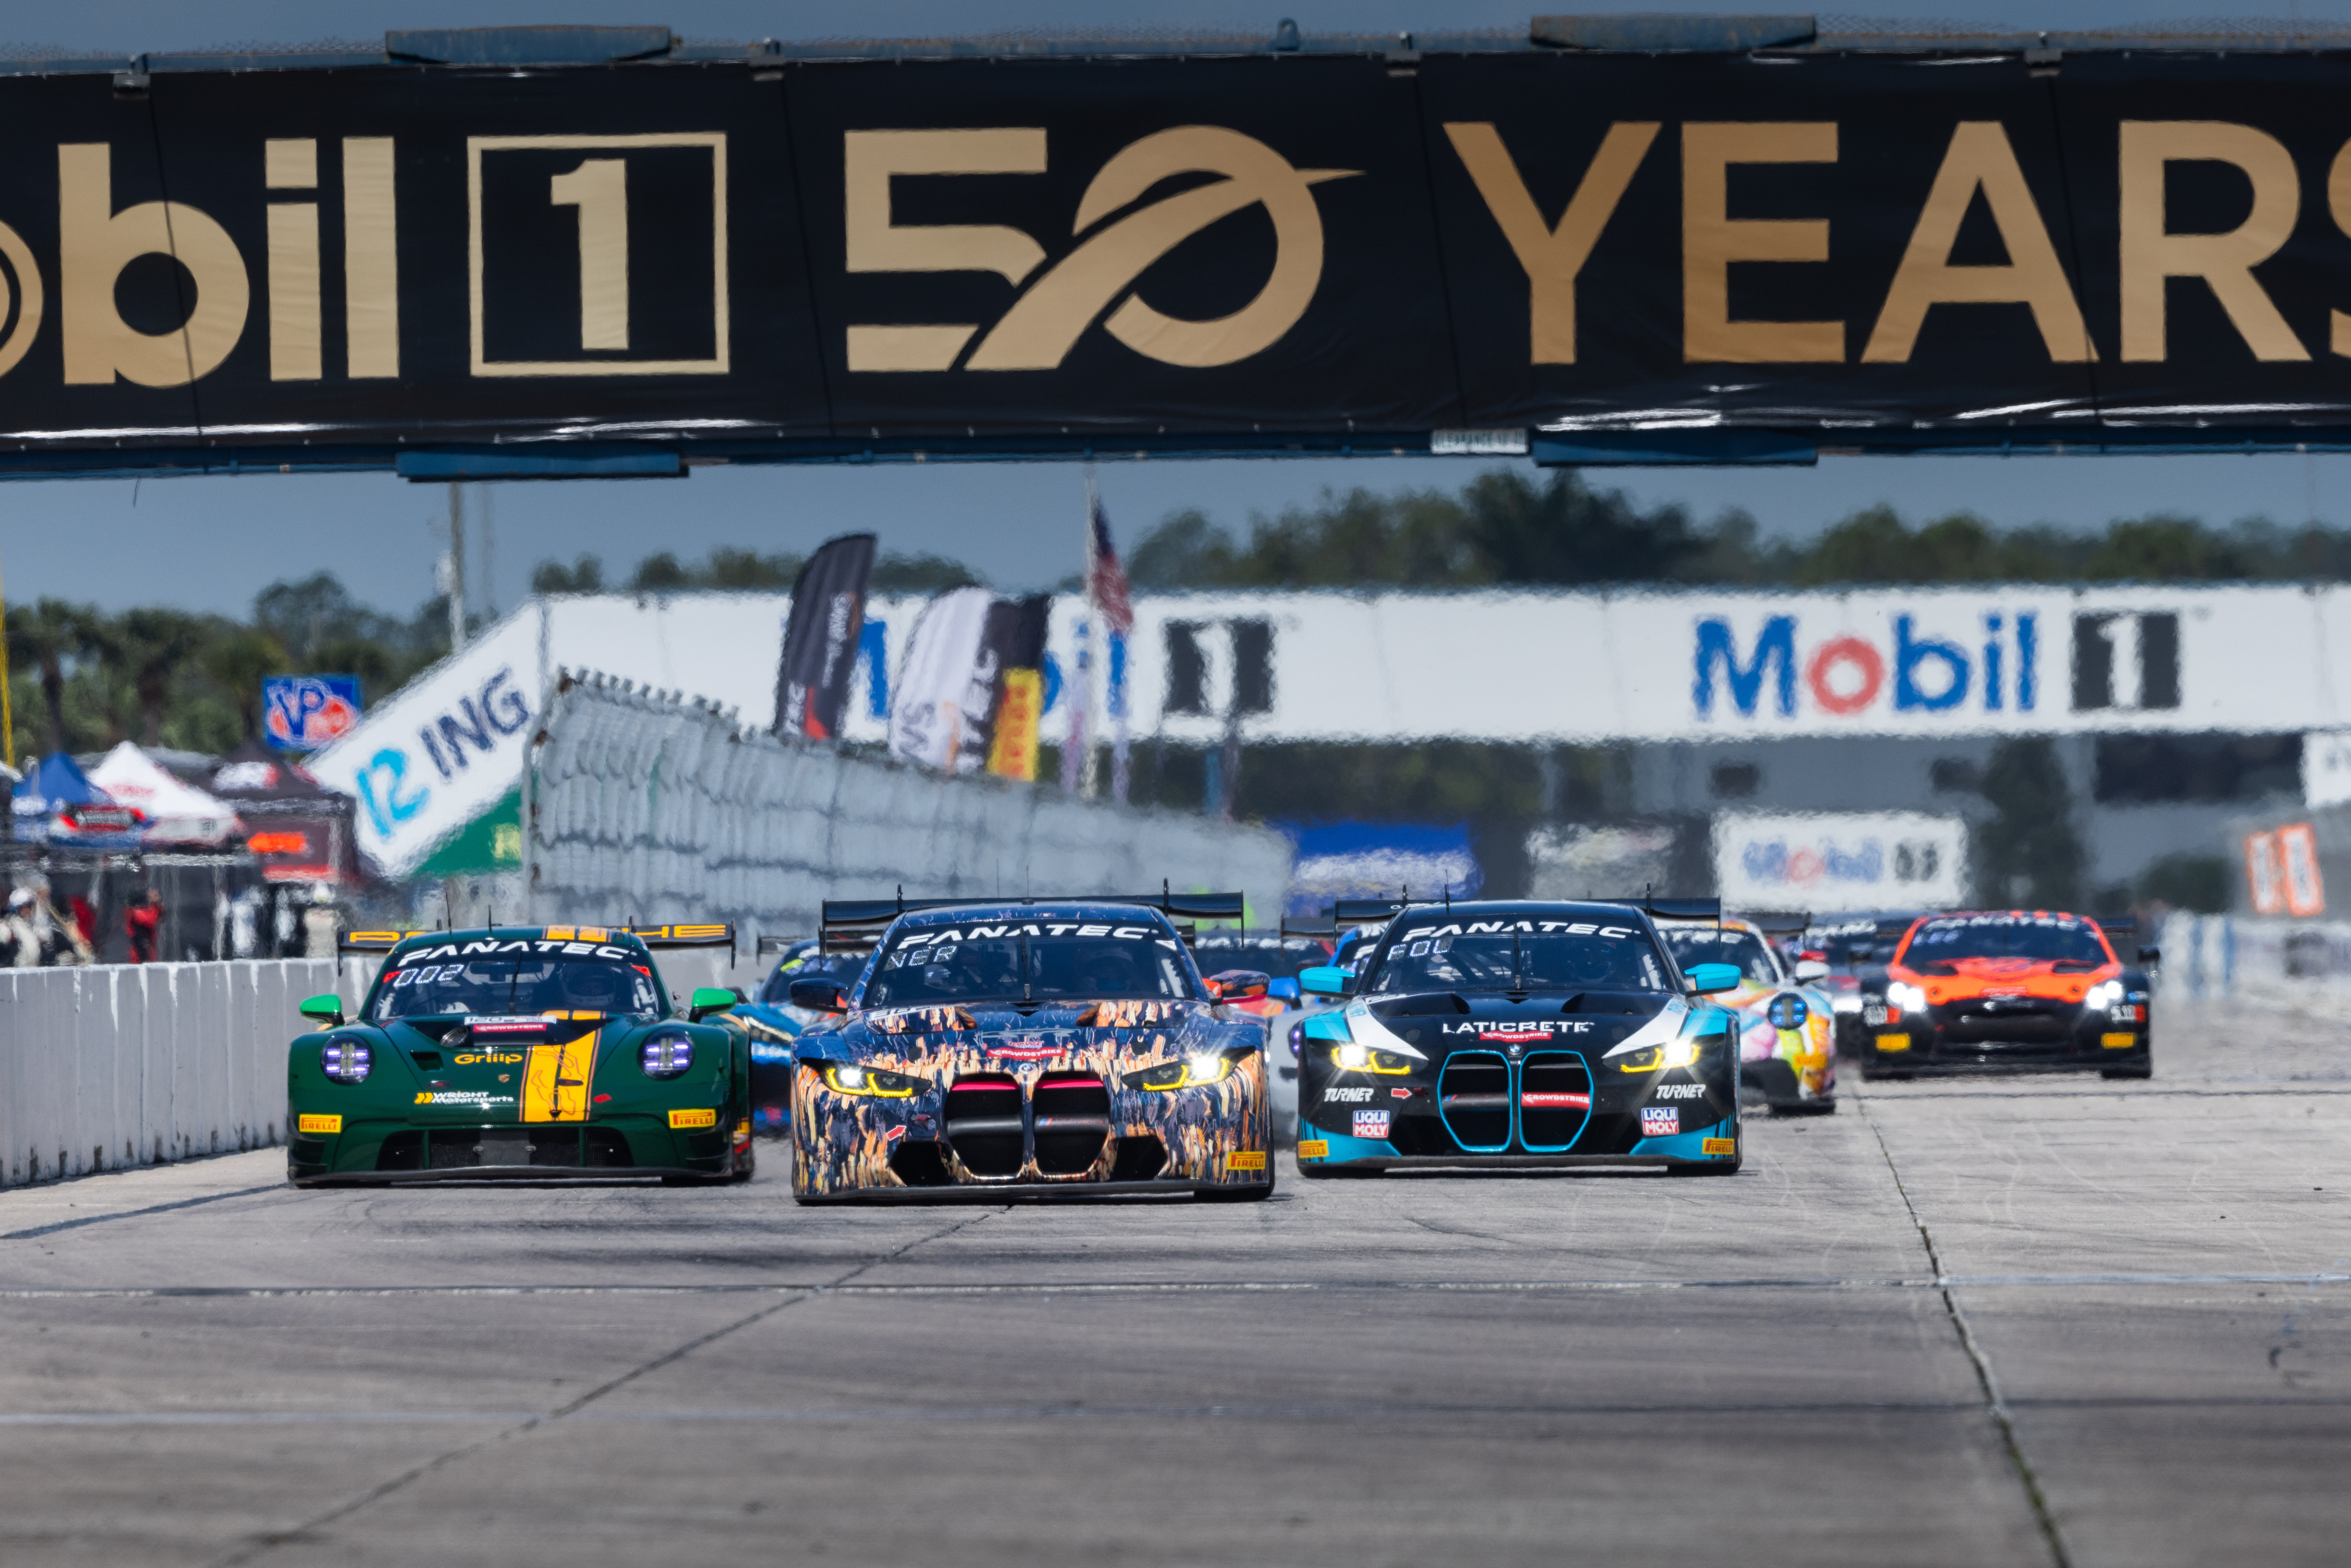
(46, 636)
(147, 648)
(236, 661)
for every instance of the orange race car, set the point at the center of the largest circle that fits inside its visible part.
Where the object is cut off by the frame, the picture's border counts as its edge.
(2016, 987)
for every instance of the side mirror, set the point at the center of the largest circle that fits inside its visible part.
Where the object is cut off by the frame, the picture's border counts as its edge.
(1708, 979)
(1238, 985)
(710, 999)
(1326, 981)
(2150, 955)
(818, 997)
(1811, 969)
(328, 1009)
(1282, 990)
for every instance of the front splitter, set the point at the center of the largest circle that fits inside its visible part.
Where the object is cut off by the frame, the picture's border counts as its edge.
(1009, 1192)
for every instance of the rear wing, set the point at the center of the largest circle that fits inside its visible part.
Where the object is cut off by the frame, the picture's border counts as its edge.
(851, 924)
(1780, 923)
(778, 943)
(373, 941)
(1365, 911)
(1671, 908)
(1315, 928)
(711, 935)
(721, 934)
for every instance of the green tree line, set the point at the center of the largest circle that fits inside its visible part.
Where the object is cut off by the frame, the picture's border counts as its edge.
(83, 679)
(1506, 529)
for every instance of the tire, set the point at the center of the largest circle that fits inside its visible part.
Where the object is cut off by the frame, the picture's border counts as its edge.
(2144, 1069)
(1873, 1073)
(1804, 1108)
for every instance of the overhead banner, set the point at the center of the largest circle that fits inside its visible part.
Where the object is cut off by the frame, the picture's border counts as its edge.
(357, 264)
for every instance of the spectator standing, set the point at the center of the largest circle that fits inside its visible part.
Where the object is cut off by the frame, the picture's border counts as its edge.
(143, 920)
(24, 942)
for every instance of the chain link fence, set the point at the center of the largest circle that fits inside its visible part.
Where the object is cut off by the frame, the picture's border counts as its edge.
(642, 806)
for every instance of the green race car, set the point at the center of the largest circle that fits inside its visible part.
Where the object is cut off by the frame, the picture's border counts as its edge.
(536, 1052)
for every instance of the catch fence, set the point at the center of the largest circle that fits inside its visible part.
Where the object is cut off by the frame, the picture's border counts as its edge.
(639, 804)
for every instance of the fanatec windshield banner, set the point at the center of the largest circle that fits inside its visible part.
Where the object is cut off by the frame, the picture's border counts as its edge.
(1073, 250)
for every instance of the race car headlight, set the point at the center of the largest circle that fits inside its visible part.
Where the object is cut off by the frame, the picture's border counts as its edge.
(1904, 994)
(1183, 1074)
(1683, 1052)
(1351, 1057)
(346, 1060)
(2104, 994)
(666, 1055)
(849, 1078)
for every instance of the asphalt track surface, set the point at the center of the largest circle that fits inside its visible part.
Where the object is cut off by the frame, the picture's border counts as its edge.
(2008, 1321)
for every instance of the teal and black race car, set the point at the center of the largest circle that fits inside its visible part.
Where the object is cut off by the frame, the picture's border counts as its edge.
(1520, 1033)
(536, 1051)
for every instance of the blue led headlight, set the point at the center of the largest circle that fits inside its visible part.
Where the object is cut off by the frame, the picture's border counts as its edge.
(345, 1059)
(666, 1055)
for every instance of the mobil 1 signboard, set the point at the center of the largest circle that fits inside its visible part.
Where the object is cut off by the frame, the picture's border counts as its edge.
(1753, 665)
(626, 267)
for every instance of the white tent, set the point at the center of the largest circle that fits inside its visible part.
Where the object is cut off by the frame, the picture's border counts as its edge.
(176, 814)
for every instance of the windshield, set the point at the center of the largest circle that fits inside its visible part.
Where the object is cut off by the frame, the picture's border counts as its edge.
(1458, 952)
(1048, 960)
(1708, 945)
(2065, 943)
(444, 981)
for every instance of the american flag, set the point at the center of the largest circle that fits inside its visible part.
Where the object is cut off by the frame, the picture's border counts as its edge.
(1106, 576)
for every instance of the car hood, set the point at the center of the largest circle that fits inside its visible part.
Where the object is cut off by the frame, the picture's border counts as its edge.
(1095, 1035)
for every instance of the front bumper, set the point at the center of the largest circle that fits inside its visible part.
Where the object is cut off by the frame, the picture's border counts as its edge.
(1034, 1132)
(388, 1150)
(2071, 1038)
(1714, 1145)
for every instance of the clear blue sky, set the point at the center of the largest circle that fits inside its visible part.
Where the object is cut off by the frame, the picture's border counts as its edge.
(208, 544)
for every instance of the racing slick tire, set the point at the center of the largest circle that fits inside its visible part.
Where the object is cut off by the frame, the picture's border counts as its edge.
(2141, 1069)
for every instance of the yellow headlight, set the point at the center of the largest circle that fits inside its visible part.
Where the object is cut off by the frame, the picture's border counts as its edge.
(1354, 1058)
(1189, 1074)
(1660, 1058)
(849, 1078)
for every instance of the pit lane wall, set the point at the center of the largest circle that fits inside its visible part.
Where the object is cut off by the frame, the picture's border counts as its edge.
(639, 804)
(122, 1065)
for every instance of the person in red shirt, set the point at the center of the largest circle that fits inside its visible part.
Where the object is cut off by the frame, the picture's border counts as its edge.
(143, 919)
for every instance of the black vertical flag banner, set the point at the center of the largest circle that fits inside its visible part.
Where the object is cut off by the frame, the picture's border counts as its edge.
(1012, 652)
(820, 637)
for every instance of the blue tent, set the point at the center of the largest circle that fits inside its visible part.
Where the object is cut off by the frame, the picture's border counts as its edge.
(55, 804)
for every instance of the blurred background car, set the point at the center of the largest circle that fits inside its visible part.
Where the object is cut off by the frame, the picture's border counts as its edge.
(1786, 1047)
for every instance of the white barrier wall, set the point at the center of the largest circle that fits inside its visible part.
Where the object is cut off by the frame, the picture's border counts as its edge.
(641, 807)
(122, 1065)
(2304, 965)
